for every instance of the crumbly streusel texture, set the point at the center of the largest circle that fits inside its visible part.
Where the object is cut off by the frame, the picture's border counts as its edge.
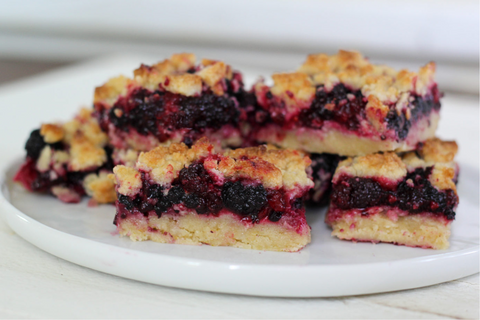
(172, 75)
(274, 167)
(377, 82)
(433, 152)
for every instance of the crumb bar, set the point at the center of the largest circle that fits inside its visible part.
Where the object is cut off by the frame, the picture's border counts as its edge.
(247, 198)
(69, 160)
(342, 104)
(172, 101)
(408, 199)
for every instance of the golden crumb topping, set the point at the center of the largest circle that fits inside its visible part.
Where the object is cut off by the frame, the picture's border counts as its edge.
(52, 133)
(84, 154)
(100, 187)
(128, 180)
(293, 88)
(354, 70)
(177, 75)
(165, 162)
(388, 165)
(86, 125)
(110, 91)
(434, 152)
(442, 176)
(84, 142)
(290, 164)
(185, 84)
(271, 166)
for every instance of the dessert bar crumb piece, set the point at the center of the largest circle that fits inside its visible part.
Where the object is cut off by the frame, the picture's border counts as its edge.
(407, 199)
(342, 104)
(247, 198)
(172, 101)
(68, 160)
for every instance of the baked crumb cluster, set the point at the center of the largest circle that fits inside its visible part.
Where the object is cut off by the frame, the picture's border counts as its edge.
(344, 98)
(172, 101)
(69, 160)
(419, 183)
(196, 158)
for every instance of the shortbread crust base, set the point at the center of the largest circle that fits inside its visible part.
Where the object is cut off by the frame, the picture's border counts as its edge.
(412, 230)
(342, 142)
(224, 230)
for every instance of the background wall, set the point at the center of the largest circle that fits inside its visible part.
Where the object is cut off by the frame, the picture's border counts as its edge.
(269, 35)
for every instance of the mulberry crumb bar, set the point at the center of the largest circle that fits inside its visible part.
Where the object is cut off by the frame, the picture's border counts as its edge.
(407, 199)
(69, 160)
(342, 104)
(248, 198)
(172, 101)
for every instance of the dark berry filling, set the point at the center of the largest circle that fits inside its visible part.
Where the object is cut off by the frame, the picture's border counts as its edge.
(162, 113)
(323, 167)
(195, 189)
(35, 144)
(415, 194)
(343, 106)
(244, 200)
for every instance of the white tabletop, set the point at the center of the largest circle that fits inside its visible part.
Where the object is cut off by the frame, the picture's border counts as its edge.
(35, 284)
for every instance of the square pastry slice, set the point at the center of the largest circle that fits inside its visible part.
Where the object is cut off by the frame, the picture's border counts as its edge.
(343, 104)
(407, 199)
(69, 160)
(247, 198)
(172, 101)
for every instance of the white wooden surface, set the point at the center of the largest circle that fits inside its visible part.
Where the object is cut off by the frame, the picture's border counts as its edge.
(35, 284)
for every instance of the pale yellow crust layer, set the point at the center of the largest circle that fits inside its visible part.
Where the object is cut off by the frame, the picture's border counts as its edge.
(344, 143)
(225, 230)
(412, 230)
(171, 74)
(271, 166)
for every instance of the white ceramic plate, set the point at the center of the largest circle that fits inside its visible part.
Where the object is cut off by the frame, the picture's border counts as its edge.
(326, 267)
